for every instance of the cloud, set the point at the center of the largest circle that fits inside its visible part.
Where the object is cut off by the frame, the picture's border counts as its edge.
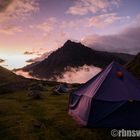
(103, 20)
(41, 58)
(4, 4)
(37, 52)
(30, 61)
(136, 20)
(79, 75)
(72, 75)
(126, 41)
(10, 29)
(99, 21)
(29, 52)
(17, 9)
(2, 61)
(25, 74)
(83, 7)
(70, 24)
(48, 25)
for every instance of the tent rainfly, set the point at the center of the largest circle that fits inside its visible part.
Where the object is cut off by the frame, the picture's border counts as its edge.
(111, 99)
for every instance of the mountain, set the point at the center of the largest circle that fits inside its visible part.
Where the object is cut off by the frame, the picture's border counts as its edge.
(7, 76)
(73, 54)
(9, 81)
(134, 66)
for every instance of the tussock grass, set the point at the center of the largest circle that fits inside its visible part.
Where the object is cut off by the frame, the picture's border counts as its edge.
(23, 118)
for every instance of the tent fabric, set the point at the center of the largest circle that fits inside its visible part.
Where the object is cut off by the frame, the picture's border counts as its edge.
(102, 109)
(127, 116)
(90, 87)
(104, 94)
(127, 88)
(83, 110)
(85, 88)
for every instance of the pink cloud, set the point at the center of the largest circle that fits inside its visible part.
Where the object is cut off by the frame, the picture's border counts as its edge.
(80, 74)
(38, 59)
(103, 20)
(48, 25)
(17, 9)
(25, 74)
(10, 29)
(82, 7)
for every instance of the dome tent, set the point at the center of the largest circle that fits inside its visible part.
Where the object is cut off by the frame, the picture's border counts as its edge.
(107, 100)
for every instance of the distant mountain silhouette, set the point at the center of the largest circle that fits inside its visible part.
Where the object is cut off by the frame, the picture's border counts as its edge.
(134, 66)
(73, 54)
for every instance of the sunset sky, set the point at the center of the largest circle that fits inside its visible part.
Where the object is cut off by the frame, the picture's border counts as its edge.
(29, 28)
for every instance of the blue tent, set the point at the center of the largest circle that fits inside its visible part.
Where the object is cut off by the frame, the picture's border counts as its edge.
(111, 99)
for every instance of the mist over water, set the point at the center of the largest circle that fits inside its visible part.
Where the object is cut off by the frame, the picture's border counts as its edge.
(72, 75)
(25, 74)
(80, 74)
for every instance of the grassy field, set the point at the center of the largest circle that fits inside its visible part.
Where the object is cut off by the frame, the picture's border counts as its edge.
(24, 118)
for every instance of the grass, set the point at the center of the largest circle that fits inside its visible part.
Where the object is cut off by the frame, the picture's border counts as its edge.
(23, 118)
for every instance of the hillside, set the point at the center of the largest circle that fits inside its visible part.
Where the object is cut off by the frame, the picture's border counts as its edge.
(10, 82)
(73, 54)
(134, 66)
(7, 76)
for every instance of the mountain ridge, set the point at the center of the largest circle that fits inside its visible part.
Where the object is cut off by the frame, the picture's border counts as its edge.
(10, 82)
(134, 66)
(7, 76)
(73, 54)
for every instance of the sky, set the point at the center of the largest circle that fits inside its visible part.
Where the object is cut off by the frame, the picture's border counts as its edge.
(31, 29)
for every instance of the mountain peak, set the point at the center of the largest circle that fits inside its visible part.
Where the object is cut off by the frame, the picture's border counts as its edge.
(72, 54)
(70, 43)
